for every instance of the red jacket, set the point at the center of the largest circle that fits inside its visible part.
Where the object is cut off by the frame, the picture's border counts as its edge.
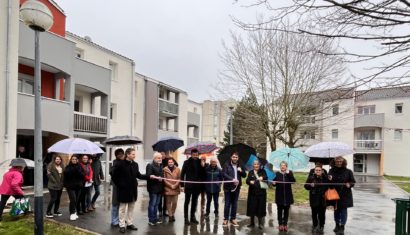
(12, 183)
(87, 177)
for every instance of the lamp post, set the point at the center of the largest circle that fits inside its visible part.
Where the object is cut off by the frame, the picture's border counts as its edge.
(39, 18)
(231, 125)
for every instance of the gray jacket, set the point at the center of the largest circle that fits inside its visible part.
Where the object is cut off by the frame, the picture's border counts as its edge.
(98, 173)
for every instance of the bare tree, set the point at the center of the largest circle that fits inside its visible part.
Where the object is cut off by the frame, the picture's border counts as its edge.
(285, 72)
(382, 23)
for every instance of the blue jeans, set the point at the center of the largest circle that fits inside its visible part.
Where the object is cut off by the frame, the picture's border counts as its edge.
(209, 197)
(154, 199)
(115, 219)
(96, 194)
(231, 204)
(340, 216)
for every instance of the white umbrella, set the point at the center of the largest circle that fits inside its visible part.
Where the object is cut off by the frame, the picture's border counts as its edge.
(329, 150)
(75, 146)
(18, 162)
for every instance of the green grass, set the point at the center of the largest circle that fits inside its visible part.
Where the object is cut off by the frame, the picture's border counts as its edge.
(300, 194)
(402, 182)
(23, 225)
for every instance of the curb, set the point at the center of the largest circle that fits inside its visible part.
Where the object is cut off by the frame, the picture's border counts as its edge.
(395, 185)
(77, 228)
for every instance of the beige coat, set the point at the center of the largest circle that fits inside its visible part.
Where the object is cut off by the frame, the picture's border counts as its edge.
(171, 187)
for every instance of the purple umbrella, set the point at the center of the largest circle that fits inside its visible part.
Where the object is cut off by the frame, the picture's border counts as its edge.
(203, 147)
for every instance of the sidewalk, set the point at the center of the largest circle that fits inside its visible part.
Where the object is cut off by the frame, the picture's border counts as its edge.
(373, 213)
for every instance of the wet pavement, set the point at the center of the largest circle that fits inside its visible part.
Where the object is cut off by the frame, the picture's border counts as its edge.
(373, 213)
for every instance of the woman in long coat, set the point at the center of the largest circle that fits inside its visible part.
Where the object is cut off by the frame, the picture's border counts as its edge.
(55, 185)
(283, 194)
(73, 181)
(256, 205)
(172, 189)
(317, 189)
(344, 179)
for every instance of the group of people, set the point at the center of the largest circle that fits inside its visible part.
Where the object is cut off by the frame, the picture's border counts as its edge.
(165, 181)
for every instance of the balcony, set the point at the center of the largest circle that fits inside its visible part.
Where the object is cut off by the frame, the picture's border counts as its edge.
(84, 122)
(168, 109)
(194, 119)
(309, 121)
(368, 145)
(167, 133)
(369, 120)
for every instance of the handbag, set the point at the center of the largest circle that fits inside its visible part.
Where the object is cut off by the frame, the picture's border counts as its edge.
(20, 206)
(331, 195)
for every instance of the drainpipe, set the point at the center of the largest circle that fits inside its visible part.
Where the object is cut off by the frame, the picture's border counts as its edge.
(132, 97)
(7, 93)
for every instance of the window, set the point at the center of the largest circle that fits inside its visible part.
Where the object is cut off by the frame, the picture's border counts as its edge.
(77, 105)
(364, 110)
(335, 109)
(335, 134)
(195, 110)
(26, 84)
(398, 134)
(113, 112)
(399, 108)
(307, 135)
(113, 68)
(79, 53)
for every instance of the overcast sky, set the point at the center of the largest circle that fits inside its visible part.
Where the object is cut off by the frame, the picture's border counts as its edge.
(175, 41)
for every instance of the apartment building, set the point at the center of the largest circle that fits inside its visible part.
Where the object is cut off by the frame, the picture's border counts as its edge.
(194, 122)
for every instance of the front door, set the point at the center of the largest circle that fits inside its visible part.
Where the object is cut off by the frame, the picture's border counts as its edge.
(359, 161)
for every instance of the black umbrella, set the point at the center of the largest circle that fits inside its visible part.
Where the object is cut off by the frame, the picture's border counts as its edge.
(123, 140)
(168, 144)
(324, 161)
(244, 151)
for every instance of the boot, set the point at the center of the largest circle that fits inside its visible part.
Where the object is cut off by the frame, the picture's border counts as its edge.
(260, 222)
(252, 223)
(341, 230)
(337, 228)
(187, 221)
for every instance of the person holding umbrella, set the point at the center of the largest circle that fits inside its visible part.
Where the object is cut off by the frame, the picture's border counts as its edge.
(213, 173)
(232, 170)
(192, 170)
(283, 194)
(115, 205)
(12, 183)
(73, 182)
(340, 174)
(125, 176)
(55, 185)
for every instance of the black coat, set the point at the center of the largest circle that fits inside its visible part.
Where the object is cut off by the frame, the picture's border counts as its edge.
(192, 170)
(213, 174)
(256, 205)
(154, 185)
(343, 175)
(317, 193)
(98, 173)
(229, 174)
(73, 176)
(283, 193)
(125, 175)
(312, 172)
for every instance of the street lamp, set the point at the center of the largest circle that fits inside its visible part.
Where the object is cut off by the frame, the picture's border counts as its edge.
(231, 125)
(39, 18)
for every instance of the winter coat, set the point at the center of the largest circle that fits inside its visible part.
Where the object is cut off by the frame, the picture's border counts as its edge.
(312, 172)
(229, 174)
(213, 174)
(256, 205)
(317, 193)
(55, 180)
(12, 183)
(73, 177)
(192, 170)
(172, 187)
(88, 177)
(98, 173)
(283, 193)
(114, 187)
(125, 176)
(154, 185)
(342, 175)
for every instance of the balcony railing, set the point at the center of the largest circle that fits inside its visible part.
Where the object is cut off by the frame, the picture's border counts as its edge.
(168, 107)
(90, 123)
(368, 144)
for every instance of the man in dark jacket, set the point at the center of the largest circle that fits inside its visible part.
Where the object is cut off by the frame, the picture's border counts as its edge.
(213, 173)
(154, 187)
(192, 170)
(119, 156)
(232, 170)
(98, 175)
(125, 176)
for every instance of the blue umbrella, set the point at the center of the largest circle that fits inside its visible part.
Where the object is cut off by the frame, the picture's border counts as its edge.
(293, 156)
(168, 144)
(264, 164)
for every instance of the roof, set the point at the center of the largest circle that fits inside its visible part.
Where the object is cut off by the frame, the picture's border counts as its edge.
(57, 6)
(383, 93)
(169, 87)
(96, 45)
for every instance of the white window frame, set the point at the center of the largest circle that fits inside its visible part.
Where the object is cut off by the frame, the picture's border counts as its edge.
(398, 134)
(114, 70)
(366, 110)
(398, 105)
(335, 109)
(25, 79)
(113, 112)
(335, 134)
(79, 53)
